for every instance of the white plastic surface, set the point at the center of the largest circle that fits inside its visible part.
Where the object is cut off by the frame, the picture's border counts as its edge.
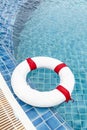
(35, 97)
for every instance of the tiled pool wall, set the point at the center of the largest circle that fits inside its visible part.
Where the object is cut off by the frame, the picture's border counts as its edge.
(42, 118)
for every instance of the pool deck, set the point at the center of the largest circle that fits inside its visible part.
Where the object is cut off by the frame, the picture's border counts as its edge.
(41, 118)
(7, 117)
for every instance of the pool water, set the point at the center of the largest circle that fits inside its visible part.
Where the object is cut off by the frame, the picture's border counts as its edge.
(59, 29)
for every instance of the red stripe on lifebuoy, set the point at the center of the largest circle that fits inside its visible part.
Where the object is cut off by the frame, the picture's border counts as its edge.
(59, 67)
(65, 92)
(31, 63)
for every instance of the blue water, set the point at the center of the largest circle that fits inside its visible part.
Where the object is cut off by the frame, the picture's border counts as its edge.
(59, 29)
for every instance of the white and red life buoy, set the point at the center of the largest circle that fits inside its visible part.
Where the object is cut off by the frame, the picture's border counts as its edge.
(47, 98)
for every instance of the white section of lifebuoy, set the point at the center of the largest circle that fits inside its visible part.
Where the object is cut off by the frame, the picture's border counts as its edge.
(35, 97)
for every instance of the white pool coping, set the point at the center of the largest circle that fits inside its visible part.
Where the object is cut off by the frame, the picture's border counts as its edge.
(20, 114)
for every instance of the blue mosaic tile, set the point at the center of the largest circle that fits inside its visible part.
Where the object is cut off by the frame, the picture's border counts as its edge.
(32, 114)
(42, 110)
(9, 65)
(20, 102)
(2, 67)
(84, 128)
(7, 77)
(61, 128)
(5, 58)
(59, 117)
(84, 124)
(67, 126)
(37, 121)
(43, 127)
(26, 107)
(47, 115)
(53, 123)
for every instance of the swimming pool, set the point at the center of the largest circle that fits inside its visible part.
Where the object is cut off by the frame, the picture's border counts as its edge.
(59, 29)
(41, 119)
(64, 40)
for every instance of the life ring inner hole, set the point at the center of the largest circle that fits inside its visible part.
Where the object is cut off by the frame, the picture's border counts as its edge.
(43, 79)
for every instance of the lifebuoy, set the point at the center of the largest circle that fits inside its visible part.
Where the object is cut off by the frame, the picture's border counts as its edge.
(47, 98)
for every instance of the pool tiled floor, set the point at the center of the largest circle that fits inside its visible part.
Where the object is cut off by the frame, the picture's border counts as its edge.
(42, 118)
